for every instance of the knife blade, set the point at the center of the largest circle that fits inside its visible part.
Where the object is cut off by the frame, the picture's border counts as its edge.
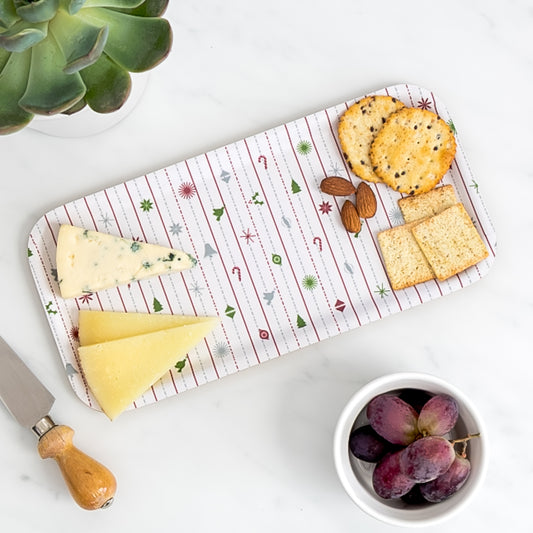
(90, 483)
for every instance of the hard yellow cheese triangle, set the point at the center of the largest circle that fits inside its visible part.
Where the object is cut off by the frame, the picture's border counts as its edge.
(104, 326)
(89, 261)
(119, 371)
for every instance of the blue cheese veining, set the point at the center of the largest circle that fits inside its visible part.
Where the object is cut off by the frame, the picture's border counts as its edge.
(89, 261)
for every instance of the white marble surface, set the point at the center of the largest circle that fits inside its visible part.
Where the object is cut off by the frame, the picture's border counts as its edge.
(253, 451)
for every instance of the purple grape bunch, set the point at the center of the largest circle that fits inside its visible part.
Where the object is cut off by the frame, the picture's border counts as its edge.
(406, 438)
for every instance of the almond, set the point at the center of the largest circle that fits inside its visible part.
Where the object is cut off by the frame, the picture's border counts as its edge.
(350, 218)
(365, 201)
(337, 186)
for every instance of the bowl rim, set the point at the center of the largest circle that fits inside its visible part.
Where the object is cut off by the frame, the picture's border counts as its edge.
(370, 503)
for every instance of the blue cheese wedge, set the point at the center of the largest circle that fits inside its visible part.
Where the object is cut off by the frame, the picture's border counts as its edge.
(89, 261)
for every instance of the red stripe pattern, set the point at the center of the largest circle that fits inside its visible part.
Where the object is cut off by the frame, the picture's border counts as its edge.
(274, 261)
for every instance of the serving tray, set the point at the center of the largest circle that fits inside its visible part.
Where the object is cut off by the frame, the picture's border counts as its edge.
(274, 261)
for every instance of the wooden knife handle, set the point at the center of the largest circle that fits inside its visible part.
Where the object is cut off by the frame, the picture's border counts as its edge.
(91, 484)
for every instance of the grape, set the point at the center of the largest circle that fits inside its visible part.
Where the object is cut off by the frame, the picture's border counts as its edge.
(414, 496)
(387, 478)
(438, 416)
(448, 483)
(416, 398)
(367, 445)
(427, 458)
(393, 419)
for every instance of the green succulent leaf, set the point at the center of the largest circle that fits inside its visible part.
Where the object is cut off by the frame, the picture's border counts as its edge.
(23, 35)
(50, 90)
(13, 78)
(82, 43)
(149, 8)
(113, 3)
(8, 14)
(4, 56)
(135, 43)
(108, 85)
(72, 6)
(78, 106)
(36, 11)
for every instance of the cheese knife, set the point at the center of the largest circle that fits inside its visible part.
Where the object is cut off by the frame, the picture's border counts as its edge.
(90, 483)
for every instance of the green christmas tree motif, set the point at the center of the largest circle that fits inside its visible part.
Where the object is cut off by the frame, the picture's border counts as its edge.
(157, 305)
(180, 365)
(147, 205)
(304, 147)
(451, 125)
(218, 212)
(295, 187)
(300, 322)
(30, 253)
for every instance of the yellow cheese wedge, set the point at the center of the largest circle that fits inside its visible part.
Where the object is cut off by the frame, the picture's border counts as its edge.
(119, 371)
(88, 261)
(104, 326)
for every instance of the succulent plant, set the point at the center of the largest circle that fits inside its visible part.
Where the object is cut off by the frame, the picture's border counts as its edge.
(57, 56)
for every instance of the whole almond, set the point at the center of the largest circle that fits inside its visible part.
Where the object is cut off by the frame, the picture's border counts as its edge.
(337, 186)
(350, 218)
(365, 201)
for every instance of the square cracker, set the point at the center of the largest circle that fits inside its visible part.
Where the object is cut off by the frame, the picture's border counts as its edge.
(427, 204)
(405, 263)
(450, 241)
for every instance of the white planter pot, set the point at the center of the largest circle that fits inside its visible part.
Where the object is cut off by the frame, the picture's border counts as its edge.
(86, 122)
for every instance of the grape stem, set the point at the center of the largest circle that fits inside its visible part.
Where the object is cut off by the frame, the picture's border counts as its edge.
(464, 442)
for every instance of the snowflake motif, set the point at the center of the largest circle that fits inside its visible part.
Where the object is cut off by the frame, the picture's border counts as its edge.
(175, 229)
(248, 236)
(107, 221)
(325, 207)
(335, 170)
(304, 147)
(396, 216)
(187, 190)
(424, 103)
(221, 349)
(381, 290)
(86, 298)
(309, 282)
(74, 333)
(147, 205)
(196, 289)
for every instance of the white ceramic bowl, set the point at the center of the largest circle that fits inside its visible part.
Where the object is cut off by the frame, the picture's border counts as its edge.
(356, 475)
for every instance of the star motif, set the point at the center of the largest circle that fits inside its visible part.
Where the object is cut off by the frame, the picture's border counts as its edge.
(175, 229)
(324, 207)
(424, 103)
(146, 205)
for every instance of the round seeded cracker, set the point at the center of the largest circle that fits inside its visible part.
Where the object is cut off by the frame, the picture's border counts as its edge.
(413, 150)
(357, 129)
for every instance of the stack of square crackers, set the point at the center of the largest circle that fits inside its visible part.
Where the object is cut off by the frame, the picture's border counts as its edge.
(438, 240)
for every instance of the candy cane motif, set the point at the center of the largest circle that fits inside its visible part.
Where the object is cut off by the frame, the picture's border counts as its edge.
(263, 159)
(236, 270)
(318, 242)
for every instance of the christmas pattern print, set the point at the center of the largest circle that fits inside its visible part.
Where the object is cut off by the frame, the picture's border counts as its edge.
(273, 259)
